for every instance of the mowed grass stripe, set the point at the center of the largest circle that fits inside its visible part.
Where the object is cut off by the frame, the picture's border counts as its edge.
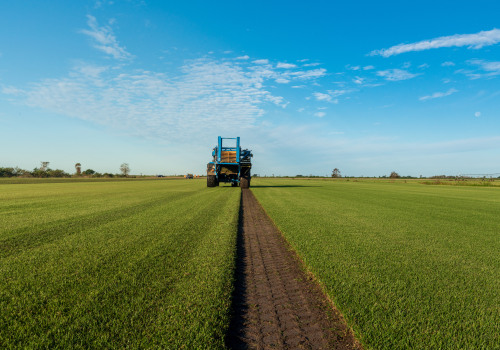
(410, 266)
(159, 278)
(48, 202)
(28, 237)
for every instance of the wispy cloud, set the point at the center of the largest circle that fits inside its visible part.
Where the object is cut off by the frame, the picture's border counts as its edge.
(396, 74)
(336, 93)
(319, 114)
(309, 74)
(263, 61)
(282, 81)
(447, 64)
(353, 67)
(331, 95)
(438, 95)
(245, 57)
(204, 95)
(322, 97)
(358, 80)
(208, 94)
(104, 40)
(368, 67)
(489, 68)
(472, 41)
(285, 65)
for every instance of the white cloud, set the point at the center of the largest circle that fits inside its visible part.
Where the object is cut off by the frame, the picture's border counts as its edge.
(336, 93)
(319, 114)
(282, 81)
(322, 97)
(312, 64)
(396, 74)
(330, 96)
(447, 64)
(90, 70)
(285, 65)
(358, 80)
(309, 74)
(438, 95)
(368, 67)
(492, 68)
(105, 40)
(246, 57)
(423, 66)
(10, 90)
(473, 41)
(488, 69)
(477, 114)
(263, 61)
(353, 67)
(205, 96)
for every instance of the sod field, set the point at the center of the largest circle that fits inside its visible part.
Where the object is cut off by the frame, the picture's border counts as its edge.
(410, 266)
(116, 264)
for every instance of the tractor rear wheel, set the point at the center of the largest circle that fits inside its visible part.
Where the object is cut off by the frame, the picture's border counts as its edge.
(244, 182)
(211, 181)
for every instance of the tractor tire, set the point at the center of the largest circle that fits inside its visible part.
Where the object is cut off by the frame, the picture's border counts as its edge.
(244, 182)
(211, 181)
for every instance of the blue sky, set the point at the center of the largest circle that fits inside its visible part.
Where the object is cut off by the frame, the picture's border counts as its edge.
(367, 87)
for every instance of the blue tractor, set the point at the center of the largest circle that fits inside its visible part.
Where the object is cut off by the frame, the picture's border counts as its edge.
(229, 164)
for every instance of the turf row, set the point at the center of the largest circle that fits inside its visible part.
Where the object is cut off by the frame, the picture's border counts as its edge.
(143, 264)
(410, 266)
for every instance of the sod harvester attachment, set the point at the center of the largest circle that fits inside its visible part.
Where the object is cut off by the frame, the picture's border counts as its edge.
(229, 164)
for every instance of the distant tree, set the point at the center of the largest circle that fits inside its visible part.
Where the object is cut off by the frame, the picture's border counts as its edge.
(394, 175)
(57, 173)
(20, 172)
(44, 166)
(125, 169)
(336, 173)
(39, 172)
(78, 168)
(7, 172)
(89, 172)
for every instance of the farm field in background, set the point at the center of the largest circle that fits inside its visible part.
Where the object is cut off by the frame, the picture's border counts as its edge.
(116, 264)
(409, 265)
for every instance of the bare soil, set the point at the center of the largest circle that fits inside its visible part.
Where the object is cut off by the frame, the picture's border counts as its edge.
(276, 304)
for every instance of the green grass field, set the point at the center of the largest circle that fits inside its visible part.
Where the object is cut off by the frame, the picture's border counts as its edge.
(149, 264)
(116, 264)
(410, 266)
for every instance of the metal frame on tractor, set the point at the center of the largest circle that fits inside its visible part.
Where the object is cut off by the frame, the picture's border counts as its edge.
(229, 164)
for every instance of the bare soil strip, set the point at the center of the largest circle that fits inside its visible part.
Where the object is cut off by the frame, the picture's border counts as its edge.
(275, 304)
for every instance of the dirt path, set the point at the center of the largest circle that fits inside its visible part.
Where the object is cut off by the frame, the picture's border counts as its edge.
(276, 306)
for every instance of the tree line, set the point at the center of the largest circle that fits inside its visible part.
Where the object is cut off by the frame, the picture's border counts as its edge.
(44, 171)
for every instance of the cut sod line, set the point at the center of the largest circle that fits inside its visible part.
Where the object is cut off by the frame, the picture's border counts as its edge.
(275, 304)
